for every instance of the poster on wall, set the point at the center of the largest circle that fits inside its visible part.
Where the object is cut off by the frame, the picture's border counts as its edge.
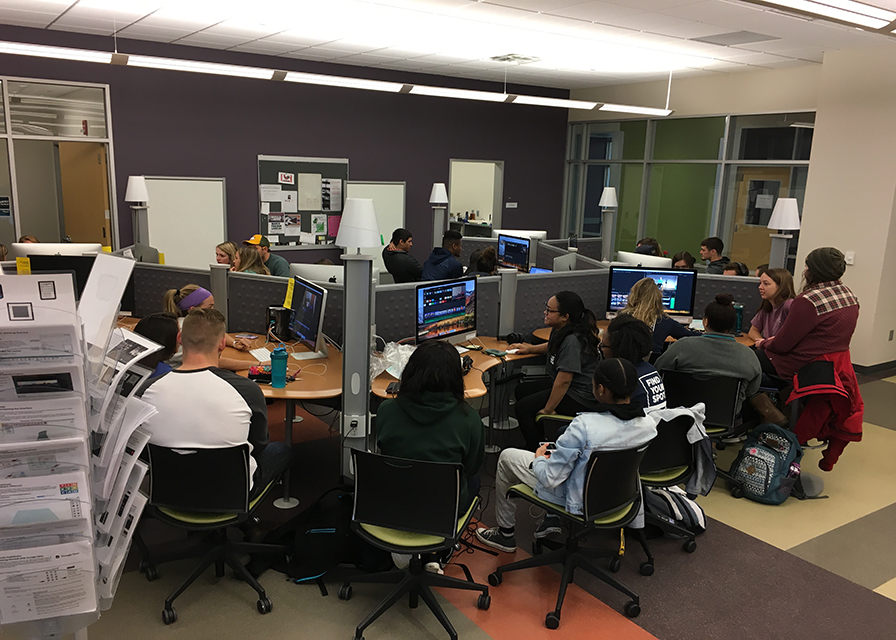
(292, 224)
(275, 223)
(309, 191)
(5, 209)
(333, 225)
(331, 194)
(319, 223)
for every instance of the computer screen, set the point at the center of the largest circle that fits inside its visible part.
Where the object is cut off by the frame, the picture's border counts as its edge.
(22, 249)
(642, 260)
(80, 266)
(540, 270)
(513, 252)
(447, 310)
(309, 303)
(677, 285)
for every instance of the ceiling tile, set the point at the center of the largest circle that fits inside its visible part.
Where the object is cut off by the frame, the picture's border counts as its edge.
(159, 34)
(21, 18)
(267, 48)
(666, 25)
(214, 41)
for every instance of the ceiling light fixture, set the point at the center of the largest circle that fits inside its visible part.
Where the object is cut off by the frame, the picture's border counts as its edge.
(554, 102)
(337, 81)
(465, 94)
(846, 11)
(60, 53)
(627, 108)
(172, 64)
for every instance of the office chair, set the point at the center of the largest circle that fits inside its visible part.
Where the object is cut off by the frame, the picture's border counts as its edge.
(669, 460)
(554, 424)
(612, 500)
(409, 507)
(204, 490)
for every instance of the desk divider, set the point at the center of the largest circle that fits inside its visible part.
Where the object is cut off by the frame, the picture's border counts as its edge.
(583, 263)
(151, 281)
(744, 289)
(471, 244)
(250, 296)
(534, 290)
(591, 247)
(545, 254)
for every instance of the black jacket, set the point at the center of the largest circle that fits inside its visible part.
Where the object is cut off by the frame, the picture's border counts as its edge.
(402, 265)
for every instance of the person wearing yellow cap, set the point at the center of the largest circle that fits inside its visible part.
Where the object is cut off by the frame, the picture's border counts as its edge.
(275, 264)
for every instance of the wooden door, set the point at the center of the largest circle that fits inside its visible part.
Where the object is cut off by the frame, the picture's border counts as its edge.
(750, 242)
(85, 191)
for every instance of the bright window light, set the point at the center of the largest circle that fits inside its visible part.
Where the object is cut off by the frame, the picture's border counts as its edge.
(336, 81)
(554, 102)
(465, 94)
(172, 64)
(627, 108)
(60, 53)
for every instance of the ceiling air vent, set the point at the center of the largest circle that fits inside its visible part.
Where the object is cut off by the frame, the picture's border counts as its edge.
(518, 58)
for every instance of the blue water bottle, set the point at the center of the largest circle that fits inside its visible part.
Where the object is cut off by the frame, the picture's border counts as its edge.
(278, 368)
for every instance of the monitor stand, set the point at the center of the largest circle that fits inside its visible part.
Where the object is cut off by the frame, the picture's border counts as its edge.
(311, 355)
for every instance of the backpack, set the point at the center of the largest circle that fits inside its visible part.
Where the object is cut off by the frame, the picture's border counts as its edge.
(768, 465)
(673, 505)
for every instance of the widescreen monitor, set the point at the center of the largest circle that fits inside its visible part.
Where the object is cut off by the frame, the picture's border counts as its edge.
(334, 274)
(22, 249)
(642, 260)
(309, 303)
(79, 267)
(447, 310)
(566, 262)
(514, 252)
(521, 233)
(540, 270)
(678, 287)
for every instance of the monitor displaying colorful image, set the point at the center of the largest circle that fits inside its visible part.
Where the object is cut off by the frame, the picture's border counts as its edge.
(447, 310)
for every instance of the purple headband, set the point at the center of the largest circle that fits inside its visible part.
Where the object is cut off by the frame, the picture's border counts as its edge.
(194, 298)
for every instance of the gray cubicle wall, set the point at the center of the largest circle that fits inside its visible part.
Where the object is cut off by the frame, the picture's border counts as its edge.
(534, 290)
(583, 263)
(743, 288)
(471, 244)
(545, 254)
(151, 281)
(590, 247)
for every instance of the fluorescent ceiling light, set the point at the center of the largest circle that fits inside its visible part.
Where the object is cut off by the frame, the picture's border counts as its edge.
(627, 108)
(803, 125)
(465, 94)
(172, 64)
(61, 53)
(336, 81)
(854, 13)
(554, 102)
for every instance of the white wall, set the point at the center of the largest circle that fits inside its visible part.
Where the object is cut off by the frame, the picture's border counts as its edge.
(38, 202)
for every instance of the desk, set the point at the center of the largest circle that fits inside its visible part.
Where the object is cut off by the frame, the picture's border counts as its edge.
(545, 332)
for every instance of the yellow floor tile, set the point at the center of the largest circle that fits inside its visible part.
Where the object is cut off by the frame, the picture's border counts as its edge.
(888, 589)
(891, 379)
(863, 481)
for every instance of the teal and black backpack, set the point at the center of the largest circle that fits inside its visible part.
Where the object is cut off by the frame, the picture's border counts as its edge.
(768, 465)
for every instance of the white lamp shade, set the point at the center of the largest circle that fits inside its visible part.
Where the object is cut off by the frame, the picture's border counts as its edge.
(608, 197)
(786, 215)
(439, 194)
(136, 190)
(358, 227)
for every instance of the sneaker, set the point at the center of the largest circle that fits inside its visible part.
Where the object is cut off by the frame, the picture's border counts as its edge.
(496, 540)
(548, 526)
(434, 567)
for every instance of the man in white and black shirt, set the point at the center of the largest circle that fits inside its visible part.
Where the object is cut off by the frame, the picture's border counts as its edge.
(200, 405)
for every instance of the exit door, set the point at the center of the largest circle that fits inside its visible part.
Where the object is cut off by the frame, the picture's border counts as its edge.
(84, 179)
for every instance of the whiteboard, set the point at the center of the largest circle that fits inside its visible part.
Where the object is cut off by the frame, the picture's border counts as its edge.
(186, 219)
(389, 203)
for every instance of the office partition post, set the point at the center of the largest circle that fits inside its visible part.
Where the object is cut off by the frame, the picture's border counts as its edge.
(439, 224)
(608, 234)
(507, 301)
(218, 287)
(140, 222)
(778, 256)
(357, 321)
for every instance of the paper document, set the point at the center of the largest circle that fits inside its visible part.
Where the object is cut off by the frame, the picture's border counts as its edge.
(44, 534)
(100, 301)
(64, 496)
(119, 516)
(309, 191)
(124, 487)
(113, 442)
(110, 572)
(269, 193)
(38, 344)
(131, 451)
(38, 419)
(331, 194)
(41, 383)
(44, 458)
(45, 300)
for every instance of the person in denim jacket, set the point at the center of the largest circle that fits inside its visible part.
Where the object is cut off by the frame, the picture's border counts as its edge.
(559, 476)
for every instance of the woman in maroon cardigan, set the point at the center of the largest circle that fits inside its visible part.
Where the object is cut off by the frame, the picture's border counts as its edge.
(821, 321)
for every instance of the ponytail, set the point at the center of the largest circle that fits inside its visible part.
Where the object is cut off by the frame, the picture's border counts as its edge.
(582, 324)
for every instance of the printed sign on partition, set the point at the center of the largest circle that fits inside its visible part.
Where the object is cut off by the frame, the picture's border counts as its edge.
(286, 178)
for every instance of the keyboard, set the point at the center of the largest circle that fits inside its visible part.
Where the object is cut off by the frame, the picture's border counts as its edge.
(261, 354)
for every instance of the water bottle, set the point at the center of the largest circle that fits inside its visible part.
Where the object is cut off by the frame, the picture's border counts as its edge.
(739, 324)
(278, 368)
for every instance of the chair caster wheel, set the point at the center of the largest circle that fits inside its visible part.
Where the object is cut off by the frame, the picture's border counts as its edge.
(737, 492)
(345, 592)
(484, 601)
(616, 564)
(720, 446)
(151, 573)
(552, 620)
(495, 579)
(690, 546)
(632, 609)
(537, 549)
(646, 569)
(264, 605)
(169, 615)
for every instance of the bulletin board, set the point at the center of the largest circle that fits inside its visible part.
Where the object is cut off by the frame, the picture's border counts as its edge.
(300, 199)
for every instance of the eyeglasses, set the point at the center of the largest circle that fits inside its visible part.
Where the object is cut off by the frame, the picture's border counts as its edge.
(547, 309)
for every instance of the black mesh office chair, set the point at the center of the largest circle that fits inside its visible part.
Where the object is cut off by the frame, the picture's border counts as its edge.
(410, 507)
(204, 490)
(612, 500)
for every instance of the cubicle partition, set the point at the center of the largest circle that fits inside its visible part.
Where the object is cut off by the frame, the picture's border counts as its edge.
(534, 290)
(583, 263)
(744, 289)
(151, 281)
(590, 247)
(545, 254)
(471, 244)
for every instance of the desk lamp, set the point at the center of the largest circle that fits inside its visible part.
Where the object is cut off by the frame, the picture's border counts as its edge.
(785, 217)
(608, 204)
(438, 198)
(357, 229)
(137, 192)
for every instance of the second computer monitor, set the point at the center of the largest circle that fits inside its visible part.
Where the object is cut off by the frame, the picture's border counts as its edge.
(678, 287)
(309, 302)
(447, 310)
(514, 252)
(642, 259)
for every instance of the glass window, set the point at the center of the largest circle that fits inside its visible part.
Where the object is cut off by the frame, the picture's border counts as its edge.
(56, 110)
(572, 201)
(576, 141)
(595, 181)
(617, 140)
(689, 139)
(679, 205)
(7, 226)
(2, 118)
(629, 211)
(785, 136)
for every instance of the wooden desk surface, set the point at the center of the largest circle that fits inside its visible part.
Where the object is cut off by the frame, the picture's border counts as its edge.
(545, 332)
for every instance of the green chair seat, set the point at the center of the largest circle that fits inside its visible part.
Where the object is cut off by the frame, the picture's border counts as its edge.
(400, 538)
(529, 493)
(665, 476)
(200, 519)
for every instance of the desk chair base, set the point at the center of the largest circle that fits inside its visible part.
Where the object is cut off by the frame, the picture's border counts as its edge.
(417, 583)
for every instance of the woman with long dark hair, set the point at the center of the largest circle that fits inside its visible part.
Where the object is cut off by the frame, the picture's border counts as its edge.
(429, 420)
(572, 355)
(777, 293)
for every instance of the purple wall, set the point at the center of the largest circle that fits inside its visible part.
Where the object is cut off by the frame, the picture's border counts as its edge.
(181, 124)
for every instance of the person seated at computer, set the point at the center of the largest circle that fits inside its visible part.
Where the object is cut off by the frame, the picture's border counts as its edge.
(645, 302)
(277, 265)
(711, 249)
(777, 293)
(736, 269)
(398, 259)
(718, 354)
(225, 253)
(162, 328)
(559, 476)
(760, 270)
(429, 419)
(201, 405)
(3, 252)
(572, 354)
(443, 263)
(649, 247)
(486, 263)
(683, 260)
(29, 239)
(628, 338)
(248, 260)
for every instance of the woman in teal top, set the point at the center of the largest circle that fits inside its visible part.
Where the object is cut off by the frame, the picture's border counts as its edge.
(429, 420)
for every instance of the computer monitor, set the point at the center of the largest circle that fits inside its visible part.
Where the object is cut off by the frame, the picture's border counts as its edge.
(446, 310)
(139, 252)
(309, 302)
(540, 270)
(22, 249)
(514, 252)
(642, 260)
(334, 274)
(79, 267)
(521, 233)
(566, 262)
(678, 286)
